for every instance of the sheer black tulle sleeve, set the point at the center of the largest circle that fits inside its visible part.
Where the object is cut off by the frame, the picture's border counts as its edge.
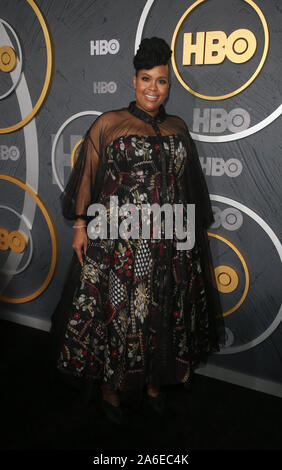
(197, 193)
(81, 188)
(195, 185)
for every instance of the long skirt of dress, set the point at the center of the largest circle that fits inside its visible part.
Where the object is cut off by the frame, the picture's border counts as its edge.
(138, 308)
(128, 320)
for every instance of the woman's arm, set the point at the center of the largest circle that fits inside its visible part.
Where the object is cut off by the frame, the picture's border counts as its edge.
(79, 191)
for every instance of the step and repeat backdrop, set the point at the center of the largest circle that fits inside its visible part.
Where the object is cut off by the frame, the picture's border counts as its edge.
(62, 64)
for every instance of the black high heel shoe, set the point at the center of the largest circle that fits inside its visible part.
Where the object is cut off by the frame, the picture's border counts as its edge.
(113, 413)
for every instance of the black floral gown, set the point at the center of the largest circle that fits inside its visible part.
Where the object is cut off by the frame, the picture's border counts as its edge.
(142, 307)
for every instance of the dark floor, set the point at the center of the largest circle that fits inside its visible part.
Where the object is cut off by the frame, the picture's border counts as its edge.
(39, 413)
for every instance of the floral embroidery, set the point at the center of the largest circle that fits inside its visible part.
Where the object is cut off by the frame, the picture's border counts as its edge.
(114, 331)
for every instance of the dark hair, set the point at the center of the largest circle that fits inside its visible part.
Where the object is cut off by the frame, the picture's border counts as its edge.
(152, 52)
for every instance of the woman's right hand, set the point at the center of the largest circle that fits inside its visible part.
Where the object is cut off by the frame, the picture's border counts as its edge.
(79, 243)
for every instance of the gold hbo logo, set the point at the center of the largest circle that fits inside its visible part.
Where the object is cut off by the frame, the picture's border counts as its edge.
(15, 240)
(213, 47)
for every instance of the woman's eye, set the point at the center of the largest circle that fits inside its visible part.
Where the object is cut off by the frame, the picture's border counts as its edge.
(163, 82)
(145, 79)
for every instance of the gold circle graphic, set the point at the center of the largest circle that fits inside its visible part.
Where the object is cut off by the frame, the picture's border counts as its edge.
(54, 241)
(8, 59)
(226, 278)
(74, 154)
(245, 267)
(251, 79)
(48, 75)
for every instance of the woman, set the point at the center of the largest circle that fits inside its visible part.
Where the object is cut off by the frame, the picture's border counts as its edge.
(143, 312)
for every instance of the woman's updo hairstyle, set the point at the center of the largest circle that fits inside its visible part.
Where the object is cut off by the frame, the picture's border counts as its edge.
(152, 52)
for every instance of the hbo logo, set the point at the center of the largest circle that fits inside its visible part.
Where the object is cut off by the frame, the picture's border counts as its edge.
(104, 87)
(212, 47)
(230, 218)
(104, 47)
(9, 152)
(217, 120)
(219, 167)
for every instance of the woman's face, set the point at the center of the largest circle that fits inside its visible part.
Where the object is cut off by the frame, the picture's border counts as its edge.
(151, 87)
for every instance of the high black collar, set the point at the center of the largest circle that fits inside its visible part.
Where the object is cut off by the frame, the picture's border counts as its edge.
(138, 112)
